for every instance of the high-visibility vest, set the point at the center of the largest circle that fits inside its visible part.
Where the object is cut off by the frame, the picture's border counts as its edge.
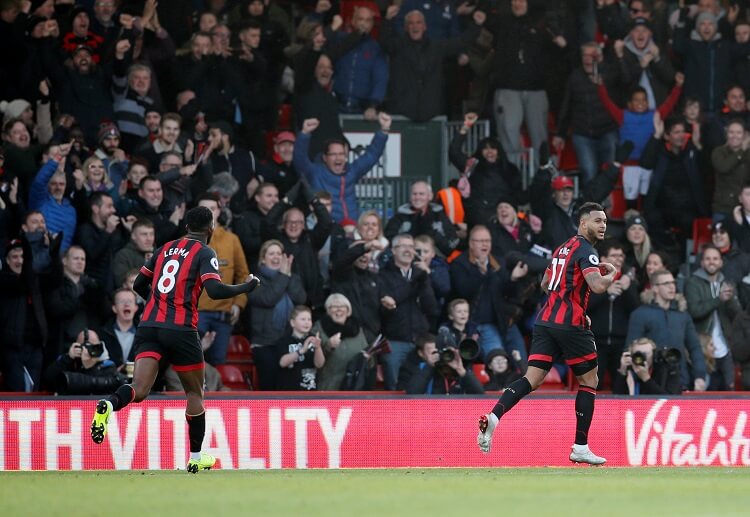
(452, 203)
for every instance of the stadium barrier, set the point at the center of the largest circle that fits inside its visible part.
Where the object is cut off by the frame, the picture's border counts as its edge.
(341, 431)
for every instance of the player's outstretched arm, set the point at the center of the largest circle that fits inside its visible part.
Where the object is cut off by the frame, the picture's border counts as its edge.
(599, 283)
(219, 291)
(140, 285)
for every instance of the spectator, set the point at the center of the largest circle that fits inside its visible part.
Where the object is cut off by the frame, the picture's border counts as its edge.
(361, 75)
(491, 175)
(152, 206)
(169, 139)
(115, 161)
(232, 158)
(220, 316)
(425, 373)
(478, 276)
(655, 261)
(637, 126)
(34, 231)
(731, 163)
(47, 195)
(610, 311)
(740, 343)
(341, 338)
(644, 64)
(21, 159)
(101, 237)
(500, 371)
(675, 193)
(25, 332)
(422, 217)
(408, 306)
(650, 374)
(119, 331)
(736, 262)
(435, 266)
(84, 368)
(593, 131)
(303, 244)
(742, 67)
(300, 353)
(280, 169)
(739, 223)
(81, 35)
(136, 252)
(78, 303)
(460, 325)
(416, 83)
(524, 44)
(665, 321)
(271, 305)
(713, 304)
(252, 225)
(336, 174)
(638, 243)
(513, 237)
(352, 278)
(734, 109)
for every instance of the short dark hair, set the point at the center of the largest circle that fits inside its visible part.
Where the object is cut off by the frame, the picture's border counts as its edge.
(673, 121)
(637, 89)
(98, 197)
(145, 223)
(608, 245)
(589, 207)
(423, 339)
(209, 196)
(707, 247)
(199, 219)
(146, 179)
(333, 141)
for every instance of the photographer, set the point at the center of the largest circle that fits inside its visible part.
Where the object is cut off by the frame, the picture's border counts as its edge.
(84, 369)
(644, 370)
(429, 371)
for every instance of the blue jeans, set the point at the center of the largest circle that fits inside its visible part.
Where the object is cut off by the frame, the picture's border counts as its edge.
(210, 320)
(592, 153)
(491, 339)
(392, 362)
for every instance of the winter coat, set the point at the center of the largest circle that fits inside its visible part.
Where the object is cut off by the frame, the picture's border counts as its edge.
(434, 222)
(416, 309)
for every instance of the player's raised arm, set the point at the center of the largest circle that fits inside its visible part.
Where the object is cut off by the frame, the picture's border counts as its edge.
(599, 283)
(220, 291)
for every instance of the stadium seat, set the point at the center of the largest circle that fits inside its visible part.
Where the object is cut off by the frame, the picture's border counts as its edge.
(285, 117)
(552, 381)
(239, 350)
(480, 373)
(232, 377)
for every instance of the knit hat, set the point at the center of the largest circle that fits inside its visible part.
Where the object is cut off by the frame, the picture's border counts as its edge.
(494, 353)
(702, 17)
(106, 130)
(348, 222)
(508, 200)
(562, 182)
(78, 9)
(13, 109)
(32, 22)
(719, 226)
(12, 245)
(285, 136)
(642, 22)
(36, 4)
(84, 48)
(635, 219)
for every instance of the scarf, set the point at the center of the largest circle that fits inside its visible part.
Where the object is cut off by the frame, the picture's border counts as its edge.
(283, 308)
(350, 327)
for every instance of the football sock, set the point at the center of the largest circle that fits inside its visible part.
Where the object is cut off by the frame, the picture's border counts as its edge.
(584, 413)
(123, 396)
(196, 431)
(510, 397)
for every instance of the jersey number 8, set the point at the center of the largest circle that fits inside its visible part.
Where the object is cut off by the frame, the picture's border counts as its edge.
(167, 280)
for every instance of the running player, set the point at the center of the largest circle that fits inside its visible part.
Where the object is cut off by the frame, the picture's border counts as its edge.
(562, 328)
(172, 281)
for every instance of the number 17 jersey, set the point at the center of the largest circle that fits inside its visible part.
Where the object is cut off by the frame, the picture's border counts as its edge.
(568, 291)
(177, 271)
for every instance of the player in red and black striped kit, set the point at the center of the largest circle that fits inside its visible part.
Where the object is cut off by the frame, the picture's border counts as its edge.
(172, 282)
(562, 328)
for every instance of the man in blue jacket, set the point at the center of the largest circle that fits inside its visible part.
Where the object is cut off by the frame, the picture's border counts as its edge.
(670, 326)
(334, 173)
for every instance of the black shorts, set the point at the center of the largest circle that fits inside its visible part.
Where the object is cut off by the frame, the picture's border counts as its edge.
(576, 345)
(182, 349)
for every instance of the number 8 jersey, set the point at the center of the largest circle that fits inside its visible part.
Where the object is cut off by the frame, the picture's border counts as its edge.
(177, 271)
(568, 291)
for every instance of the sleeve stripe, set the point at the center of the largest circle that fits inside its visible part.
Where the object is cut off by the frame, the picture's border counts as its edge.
(147, 272)
(590, 270)
(209, 276)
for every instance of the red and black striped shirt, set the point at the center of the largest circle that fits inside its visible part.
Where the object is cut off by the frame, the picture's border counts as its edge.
(567, 287)
(177, 271)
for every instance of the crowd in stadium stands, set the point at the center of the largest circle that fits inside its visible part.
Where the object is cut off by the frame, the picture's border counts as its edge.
(118, 115)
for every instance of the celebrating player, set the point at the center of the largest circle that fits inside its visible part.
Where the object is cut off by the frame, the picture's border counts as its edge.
(172, 281)
(562, 327)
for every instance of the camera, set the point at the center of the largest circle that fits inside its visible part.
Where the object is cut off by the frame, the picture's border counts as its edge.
(668, 356)
(638, 358)
(468, 349)
(94, 349)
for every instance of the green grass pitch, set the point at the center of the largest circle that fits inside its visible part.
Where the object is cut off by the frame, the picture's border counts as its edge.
(605, 492)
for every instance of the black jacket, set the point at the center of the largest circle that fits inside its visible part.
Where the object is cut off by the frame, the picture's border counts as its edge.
(416, 309)
(434, 222)
(360, 286)
(418, 378)
(100, 247)
(609, 314)
(665, 380)
(582, 110)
